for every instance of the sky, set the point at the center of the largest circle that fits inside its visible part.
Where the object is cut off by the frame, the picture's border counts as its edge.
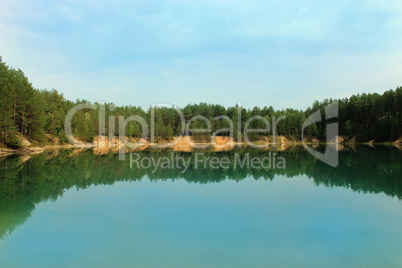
(281, 53)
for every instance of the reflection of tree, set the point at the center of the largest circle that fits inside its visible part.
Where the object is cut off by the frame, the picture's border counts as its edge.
(45, 177)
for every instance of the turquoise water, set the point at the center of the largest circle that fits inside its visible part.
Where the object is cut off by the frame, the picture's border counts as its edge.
(94, 211)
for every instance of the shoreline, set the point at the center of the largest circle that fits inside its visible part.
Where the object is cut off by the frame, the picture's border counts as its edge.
(4, 151)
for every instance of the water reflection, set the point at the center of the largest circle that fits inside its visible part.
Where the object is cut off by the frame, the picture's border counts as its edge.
(26, 182)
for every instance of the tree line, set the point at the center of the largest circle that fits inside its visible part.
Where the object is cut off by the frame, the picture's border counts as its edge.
(39, 115)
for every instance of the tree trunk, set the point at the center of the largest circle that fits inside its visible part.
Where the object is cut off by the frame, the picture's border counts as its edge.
(15, 104)
(5, 125)
(22, 123)
(52, 125)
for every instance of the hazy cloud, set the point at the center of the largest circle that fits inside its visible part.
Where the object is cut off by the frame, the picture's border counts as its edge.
(259, 52)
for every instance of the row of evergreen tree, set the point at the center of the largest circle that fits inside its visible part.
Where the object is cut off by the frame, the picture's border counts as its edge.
(35, 113)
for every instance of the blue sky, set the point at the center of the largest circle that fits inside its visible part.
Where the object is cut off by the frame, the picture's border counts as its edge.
(284, 54)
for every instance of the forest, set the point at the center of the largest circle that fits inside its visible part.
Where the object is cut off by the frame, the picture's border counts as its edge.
(40, 114)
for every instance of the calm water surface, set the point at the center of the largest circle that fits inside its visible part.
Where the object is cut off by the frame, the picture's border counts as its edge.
(70, 209)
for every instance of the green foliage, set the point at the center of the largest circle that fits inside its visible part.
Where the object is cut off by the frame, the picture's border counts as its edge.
(35, 113)
(12, 141)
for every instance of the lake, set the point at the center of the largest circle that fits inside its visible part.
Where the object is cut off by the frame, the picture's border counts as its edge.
(79, 209)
